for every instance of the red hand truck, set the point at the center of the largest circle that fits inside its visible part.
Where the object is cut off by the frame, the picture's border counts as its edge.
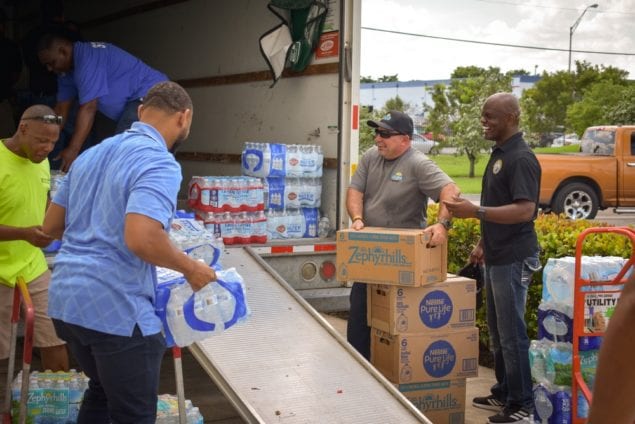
(581, 289)
(21, 295)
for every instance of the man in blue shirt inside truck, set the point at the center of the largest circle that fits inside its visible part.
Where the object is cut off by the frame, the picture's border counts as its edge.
(102, 77)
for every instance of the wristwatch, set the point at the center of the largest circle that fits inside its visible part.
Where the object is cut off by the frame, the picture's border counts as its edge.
(480, 213)
(447, 223)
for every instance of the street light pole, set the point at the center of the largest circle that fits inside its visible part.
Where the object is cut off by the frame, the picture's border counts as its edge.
(574, 26)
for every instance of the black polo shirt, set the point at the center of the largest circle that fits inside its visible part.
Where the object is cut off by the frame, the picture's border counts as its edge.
(512, 174)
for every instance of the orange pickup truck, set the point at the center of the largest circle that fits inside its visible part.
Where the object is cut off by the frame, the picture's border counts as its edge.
(601, 176)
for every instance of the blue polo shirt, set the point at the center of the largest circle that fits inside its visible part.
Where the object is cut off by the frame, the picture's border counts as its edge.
(109, 74)
(98, 283)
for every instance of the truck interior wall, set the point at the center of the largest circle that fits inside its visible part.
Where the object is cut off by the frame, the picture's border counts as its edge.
(200, 39)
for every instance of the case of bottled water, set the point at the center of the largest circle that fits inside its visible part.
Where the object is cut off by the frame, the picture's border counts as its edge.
(292, 193)
(559, 275)
(225, 194)
(54, 397)
(555, 321)
(168, 411)
(189, 316)
(292, 223)
(282, 160)
(236, 228)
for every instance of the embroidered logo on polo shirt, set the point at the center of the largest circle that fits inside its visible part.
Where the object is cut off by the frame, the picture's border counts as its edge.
(397, 176)
(498, 165)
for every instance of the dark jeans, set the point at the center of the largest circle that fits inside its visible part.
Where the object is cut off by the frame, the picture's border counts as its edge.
(357, 329)
(506, 290)
(123, 371)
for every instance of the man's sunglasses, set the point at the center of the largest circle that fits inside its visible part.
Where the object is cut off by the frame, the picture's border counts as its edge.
(49, 119)
(386, 134)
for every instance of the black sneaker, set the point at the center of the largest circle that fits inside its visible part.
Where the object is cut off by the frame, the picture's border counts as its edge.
(511, 415)
(488, 402)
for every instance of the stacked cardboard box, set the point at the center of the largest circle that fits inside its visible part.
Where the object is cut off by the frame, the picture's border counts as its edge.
(423, 336)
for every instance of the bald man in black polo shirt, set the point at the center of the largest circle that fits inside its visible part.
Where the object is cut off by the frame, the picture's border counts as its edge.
(509, 250)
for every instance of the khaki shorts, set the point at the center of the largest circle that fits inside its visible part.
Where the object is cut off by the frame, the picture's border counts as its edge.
(44, 332)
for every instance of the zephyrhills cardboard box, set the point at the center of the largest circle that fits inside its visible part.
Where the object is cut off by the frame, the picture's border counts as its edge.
(441, 401)
(389, 256)
(448, 305)
(408, 358)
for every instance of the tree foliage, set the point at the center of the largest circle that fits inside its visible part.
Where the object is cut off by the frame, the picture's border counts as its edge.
(563, 100)
(457, 109)
(622, 112)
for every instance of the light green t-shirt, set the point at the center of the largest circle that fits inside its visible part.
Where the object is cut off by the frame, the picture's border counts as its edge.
(24, 187)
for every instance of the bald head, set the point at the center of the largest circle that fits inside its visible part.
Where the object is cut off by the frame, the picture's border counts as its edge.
(37, 111)
(506, 102)
(36, 134)
(500, 117)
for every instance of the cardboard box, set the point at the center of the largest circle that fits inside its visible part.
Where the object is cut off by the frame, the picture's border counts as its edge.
(598, 310)
(423, 357)
(389, 256)
(442, 402)
(449, 305)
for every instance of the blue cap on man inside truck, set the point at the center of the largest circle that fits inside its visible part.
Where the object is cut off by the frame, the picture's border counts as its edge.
(395, 121)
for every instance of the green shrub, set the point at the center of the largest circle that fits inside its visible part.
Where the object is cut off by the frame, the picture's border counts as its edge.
(557, 237)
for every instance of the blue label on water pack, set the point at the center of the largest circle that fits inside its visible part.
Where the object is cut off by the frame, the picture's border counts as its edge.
(278, 160)
(276, 193)
(253, 160)
(439, 359)
(311, 218)
(435, 309)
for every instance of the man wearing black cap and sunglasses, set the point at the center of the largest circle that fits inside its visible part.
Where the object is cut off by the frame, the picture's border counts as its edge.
(390, 188)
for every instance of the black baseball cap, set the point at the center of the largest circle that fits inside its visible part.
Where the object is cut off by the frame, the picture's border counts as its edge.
(395, 121)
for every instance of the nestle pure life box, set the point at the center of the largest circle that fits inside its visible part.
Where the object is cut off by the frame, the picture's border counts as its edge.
(389, 256)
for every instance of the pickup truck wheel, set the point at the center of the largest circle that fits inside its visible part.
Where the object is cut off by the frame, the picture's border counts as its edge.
(576, 201)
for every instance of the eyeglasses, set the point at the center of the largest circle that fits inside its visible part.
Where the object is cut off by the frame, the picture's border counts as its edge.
(49, 119)
(386, 134)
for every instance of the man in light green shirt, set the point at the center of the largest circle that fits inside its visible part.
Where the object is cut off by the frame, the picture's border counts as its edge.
(24, 186)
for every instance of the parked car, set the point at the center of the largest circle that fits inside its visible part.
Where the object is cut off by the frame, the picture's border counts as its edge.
(422, 143)
(565, 140)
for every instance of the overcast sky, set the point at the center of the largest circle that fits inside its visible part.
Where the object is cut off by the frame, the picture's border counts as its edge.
(536, 23)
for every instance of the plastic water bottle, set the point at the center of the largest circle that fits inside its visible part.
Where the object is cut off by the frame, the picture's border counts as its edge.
(232, 301)
(258, 227)
(542, 403)
(561, 399)
(320, 161)
(537, 362)
(182, 333)
(207, 307)
(194, 416)
(75, 396)
(293, 157)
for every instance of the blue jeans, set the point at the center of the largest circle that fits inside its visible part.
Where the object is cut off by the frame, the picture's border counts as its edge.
(506, 291)
(357, 329)
(123, 371)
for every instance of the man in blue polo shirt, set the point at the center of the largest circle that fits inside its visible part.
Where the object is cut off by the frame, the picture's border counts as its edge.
(102, 77)
(112, 211)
